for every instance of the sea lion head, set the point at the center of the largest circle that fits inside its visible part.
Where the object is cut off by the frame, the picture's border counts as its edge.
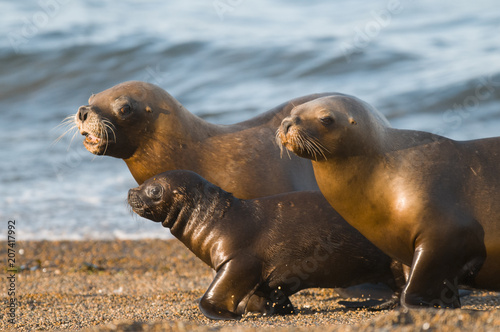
(119, 120)
(150, 200)
(330, 126)
(162, 197)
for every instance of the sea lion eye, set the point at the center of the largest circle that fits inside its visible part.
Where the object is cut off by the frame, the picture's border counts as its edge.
(155, 192)
(125, 109)
(327, 120)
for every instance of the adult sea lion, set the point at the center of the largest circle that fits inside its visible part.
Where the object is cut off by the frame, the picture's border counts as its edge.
(263, 250)
(426, 200)
(152, 132)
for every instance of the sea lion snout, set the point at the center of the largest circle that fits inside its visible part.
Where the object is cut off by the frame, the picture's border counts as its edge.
(135, 201)
(85, 113)
(288, 122)
(148, 201)
(89, 124)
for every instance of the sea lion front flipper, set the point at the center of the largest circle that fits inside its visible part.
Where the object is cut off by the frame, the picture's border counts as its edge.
(437, 272)
(229, 292)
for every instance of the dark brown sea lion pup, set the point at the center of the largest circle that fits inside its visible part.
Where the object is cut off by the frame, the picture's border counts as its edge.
(263, 250)
(152, 132)
(428, 201)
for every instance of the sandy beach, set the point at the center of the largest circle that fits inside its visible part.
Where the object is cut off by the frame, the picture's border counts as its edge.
(154, 285)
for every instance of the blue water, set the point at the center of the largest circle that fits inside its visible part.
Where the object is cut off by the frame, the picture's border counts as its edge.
(426, 65)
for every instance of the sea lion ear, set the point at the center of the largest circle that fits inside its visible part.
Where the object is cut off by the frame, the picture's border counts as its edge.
(165, 110)
(352, 121)
(148, 109)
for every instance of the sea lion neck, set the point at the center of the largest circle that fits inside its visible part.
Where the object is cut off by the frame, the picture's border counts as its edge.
(358, 173)
(174, 138)
(345, 172)
(194, 219)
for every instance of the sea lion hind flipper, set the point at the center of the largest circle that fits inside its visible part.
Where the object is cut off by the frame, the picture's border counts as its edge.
(279, 304)
(268, 307)
(228, 294)
(372, 305)
(257, 304)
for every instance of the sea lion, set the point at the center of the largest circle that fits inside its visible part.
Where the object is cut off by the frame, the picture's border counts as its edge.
(152, 132)
(426, 200)
(263, 250)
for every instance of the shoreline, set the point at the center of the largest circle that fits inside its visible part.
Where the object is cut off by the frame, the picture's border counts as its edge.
(154, 285)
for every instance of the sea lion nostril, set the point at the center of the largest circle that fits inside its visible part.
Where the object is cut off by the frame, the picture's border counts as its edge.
(82, 113)
(286, 126)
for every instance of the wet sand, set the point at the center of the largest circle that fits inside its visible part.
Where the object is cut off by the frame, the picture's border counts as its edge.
(154, 285)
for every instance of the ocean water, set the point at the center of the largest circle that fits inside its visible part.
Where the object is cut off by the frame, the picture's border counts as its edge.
(426, 65)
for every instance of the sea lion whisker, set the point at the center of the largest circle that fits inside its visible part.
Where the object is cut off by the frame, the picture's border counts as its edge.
(287, 151)
(299, 141)
(70, 122)
(64, 134)
(296, 140)
(314, 146)
(58, 139)
(318, 146)
(72, 138)
(67, 120)
(100, 129)
(109, 123)
(278, 141)
(107, 137)
(310, 148)
(110, 126)
(280, 145)
(104, 133)
(131, 209)
(281, 151)
(318, 143)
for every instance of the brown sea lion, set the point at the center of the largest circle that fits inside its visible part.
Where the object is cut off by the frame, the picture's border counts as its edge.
(152, 132)
(263, 250)
(426, 200)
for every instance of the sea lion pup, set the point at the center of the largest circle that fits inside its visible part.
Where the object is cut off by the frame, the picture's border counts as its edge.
(428, 201)
(152, 132)
(263, 250)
